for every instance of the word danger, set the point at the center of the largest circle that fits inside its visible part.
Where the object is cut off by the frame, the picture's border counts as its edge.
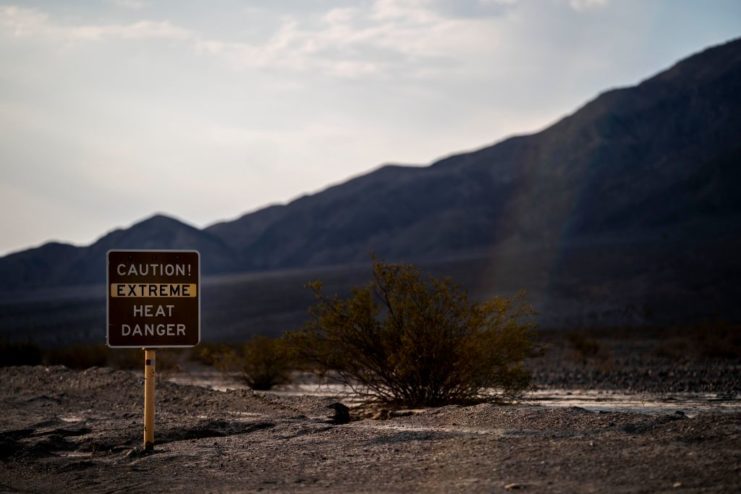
(161, 329)
(153, 290)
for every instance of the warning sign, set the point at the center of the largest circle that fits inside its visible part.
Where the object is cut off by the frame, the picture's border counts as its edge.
(153, 298)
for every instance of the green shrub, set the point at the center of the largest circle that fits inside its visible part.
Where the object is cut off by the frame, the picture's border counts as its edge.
(405, 340)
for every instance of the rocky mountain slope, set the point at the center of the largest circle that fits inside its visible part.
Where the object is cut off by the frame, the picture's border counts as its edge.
(657, 158)
(655, 164)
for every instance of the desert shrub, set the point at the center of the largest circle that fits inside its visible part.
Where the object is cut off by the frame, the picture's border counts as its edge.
(211, 354)
(265, 362)
(413, 341)
(262, 362)
(19, 353)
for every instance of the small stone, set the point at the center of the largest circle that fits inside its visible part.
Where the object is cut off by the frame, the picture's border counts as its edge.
(677, 485)
(513, 486)
(341, 413)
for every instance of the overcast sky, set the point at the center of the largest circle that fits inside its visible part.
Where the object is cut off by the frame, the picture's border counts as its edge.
(113, 110)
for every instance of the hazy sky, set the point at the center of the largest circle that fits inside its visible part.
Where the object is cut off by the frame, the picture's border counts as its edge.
(112, 110)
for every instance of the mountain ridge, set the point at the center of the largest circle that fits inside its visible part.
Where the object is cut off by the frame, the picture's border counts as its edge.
(634, 161)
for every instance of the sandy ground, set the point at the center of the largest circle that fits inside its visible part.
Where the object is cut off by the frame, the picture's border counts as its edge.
(72, 431)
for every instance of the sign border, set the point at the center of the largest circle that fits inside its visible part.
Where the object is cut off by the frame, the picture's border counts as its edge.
(108, 297)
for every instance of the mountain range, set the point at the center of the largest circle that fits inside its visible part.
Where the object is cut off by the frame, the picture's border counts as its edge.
(642, 181)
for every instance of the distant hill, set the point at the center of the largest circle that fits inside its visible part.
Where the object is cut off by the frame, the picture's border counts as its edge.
(638, 185)
(56, 264)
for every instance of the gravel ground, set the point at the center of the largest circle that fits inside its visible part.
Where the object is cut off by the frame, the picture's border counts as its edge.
(65, 430)
(654, 361)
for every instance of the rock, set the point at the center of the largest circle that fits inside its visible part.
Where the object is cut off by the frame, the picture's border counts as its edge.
(341, 413)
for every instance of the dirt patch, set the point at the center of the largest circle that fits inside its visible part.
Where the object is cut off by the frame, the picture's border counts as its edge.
(82, 431)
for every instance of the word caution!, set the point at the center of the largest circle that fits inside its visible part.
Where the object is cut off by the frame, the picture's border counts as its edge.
(153, 298)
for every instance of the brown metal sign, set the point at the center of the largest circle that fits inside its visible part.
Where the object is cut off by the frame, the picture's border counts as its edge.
(153, 298)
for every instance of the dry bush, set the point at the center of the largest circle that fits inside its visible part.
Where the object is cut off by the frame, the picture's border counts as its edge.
(265, 362)
(262, 362)
(211, 353)
(409, 341)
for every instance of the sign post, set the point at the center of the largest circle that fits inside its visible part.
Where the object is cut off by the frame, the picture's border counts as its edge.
(153, 302)
(149, 362)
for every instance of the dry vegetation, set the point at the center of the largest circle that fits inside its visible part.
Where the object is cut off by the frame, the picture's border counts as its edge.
(408, 340)
(262, 362)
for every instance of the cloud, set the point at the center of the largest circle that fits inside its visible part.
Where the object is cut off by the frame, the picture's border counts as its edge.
(475, 8)
(21, 22)
(383, 39)
(387, 38)
(581, 5)
(130, 4)
(138, 31)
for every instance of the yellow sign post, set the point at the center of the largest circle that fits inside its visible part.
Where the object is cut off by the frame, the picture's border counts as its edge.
(149, 367)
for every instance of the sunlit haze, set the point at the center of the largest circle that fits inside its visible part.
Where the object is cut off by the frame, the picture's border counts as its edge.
(113, 110)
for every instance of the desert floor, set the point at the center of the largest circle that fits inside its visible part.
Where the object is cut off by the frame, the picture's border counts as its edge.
(80, 431)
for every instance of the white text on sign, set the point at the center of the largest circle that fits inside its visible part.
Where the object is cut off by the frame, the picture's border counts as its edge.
(152, 329)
